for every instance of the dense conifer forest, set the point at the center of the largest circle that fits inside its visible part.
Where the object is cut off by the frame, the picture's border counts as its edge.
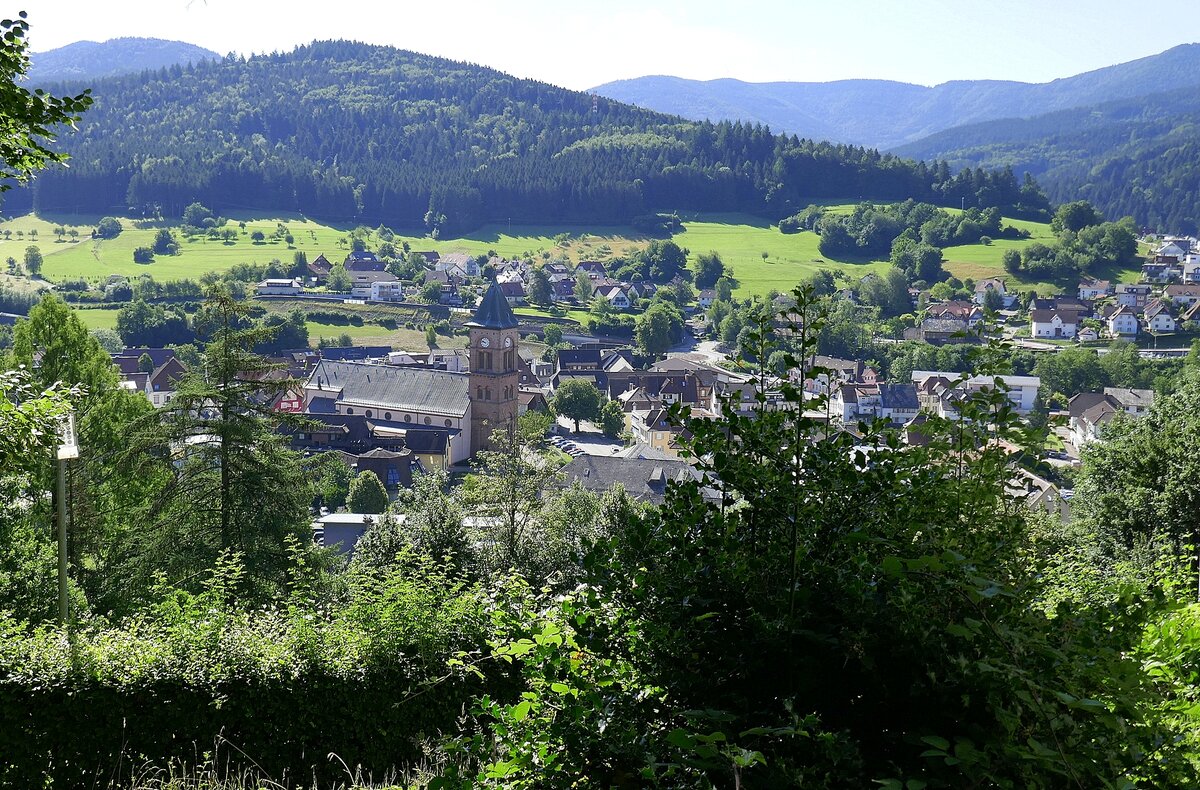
(1136, 157)
(344, 131)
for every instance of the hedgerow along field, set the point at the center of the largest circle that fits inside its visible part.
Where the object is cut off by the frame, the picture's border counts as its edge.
(740, 239)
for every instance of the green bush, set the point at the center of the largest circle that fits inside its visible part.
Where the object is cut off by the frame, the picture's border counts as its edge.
(284, 687)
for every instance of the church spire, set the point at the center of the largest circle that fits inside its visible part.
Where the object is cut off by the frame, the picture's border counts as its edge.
(493, 311)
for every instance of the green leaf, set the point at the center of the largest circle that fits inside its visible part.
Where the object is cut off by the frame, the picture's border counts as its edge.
(936, 742)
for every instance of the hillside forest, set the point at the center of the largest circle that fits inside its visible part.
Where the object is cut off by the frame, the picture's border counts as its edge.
(348, 132)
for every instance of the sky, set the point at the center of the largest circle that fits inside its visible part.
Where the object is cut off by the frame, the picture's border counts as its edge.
(579, 44)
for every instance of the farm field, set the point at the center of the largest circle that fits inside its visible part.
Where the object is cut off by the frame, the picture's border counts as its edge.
(740, 239)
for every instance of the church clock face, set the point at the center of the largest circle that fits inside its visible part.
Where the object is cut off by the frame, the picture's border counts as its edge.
(508, 342)
(485, 342)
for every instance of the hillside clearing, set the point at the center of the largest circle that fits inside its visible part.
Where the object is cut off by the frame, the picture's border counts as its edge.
(740, 239)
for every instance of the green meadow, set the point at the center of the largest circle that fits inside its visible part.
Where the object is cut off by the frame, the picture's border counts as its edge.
(376, 335)
(762, 258)
(98, 318)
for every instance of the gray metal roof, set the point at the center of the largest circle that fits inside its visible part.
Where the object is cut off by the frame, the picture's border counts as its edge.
(397, 389)
(493, 311)
(642, 479)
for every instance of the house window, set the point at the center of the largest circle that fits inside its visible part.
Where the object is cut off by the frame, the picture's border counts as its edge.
(393, 477)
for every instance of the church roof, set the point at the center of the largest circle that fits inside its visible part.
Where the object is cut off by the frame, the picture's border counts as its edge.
(396, 389)
(493, 311)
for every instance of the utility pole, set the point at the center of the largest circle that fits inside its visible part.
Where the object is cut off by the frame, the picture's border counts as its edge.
(68, 449)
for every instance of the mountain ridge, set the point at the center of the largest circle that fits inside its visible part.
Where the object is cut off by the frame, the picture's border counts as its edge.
(887, 113)
(94, 60)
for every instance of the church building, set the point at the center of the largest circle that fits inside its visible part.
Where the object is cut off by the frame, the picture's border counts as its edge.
(467, 407)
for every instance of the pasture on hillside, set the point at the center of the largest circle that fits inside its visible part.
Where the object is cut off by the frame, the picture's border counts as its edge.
(740, 239)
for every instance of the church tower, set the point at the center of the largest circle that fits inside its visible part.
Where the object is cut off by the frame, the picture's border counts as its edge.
(494, 374)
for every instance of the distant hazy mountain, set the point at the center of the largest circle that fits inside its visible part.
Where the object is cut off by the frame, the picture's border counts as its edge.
(1137, 156)
(884, 114)
(89, 60)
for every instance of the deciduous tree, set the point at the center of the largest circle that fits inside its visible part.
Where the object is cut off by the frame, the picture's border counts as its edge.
(577, 399)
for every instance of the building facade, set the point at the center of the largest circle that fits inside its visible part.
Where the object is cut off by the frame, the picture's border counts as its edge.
(494, 377)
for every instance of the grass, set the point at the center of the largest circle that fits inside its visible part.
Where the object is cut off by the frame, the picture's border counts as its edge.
(95, 318)
(574, 315)
(376, 335)
(740, 239)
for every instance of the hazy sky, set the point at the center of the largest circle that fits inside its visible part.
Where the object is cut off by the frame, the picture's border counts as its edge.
(580, 44)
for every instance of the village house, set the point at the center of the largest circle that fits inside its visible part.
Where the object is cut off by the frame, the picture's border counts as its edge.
(956, 309)
(840, 371)
(457, 263)
(363, 261)
(1122, 322)
(1161, 272)
(387, 291)
(1053, 323)
(615, 295)
(1133, 295)
(514, 292)
(1089, 413)
(642, 290)
(1022, 390)
(319, 268)
(362, 284)
(1186, 295)
(645, 480)
(279, 287)
(939, 331)
(1158, 317)
(1191, 313)
(1091, 289)
(655, 429)
(993, 284)
(593, 269)
(1169, 252)
(1191, 269)
(1063, 303)
(155, 376)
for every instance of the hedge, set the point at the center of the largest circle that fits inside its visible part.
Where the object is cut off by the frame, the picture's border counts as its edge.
(281, 688)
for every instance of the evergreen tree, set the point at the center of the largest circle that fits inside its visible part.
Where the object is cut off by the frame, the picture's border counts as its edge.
(225, 482)
(367, 494)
